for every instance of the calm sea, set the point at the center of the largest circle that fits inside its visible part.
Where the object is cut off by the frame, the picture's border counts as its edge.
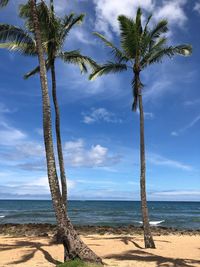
(182, 215)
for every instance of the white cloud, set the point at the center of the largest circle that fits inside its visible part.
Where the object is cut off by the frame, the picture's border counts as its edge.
(9, 135)
(172, 11)
(162, 161)
(37, 186)
(99, 114)
(107, 12)
(78, 155)
(197, 7)
(188, 126)
(177, 193)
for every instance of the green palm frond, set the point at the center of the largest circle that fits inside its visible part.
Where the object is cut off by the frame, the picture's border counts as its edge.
(23, 48)
(160, 28)
(3, 3)
(158, 56)
(74, 57)
(110, 67)
(118, 54)
(146, 25)
(138, 21)
(184, 50)
(36, 70)
(70, 21)
(129, 36)
(10, 33)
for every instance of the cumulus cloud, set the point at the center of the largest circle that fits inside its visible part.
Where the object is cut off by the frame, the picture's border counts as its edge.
(98, 115)
(77, 155)
(172, 11)
(107, 12)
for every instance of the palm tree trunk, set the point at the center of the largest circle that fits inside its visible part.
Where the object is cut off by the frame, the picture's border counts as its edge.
(58, 136)
(73, 244)
(148, 239)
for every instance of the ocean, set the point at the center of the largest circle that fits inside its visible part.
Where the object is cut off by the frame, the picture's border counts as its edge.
(180, 215)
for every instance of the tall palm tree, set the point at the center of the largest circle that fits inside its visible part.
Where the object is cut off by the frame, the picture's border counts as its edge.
(140, 48)
(54, 33)
(74, 246)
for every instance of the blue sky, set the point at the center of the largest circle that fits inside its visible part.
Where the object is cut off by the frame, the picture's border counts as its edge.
(100, 132)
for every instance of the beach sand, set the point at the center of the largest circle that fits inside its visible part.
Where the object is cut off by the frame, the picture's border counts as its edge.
(116, 250)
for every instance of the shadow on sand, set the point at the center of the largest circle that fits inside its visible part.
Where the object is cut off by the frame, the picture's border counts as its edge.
(31, 249)
(143, 256)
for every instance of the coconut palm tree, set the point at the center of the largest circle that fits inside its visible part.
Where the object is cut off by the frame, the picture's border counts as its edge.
(54, 33)
(74, 246)
(141, 47)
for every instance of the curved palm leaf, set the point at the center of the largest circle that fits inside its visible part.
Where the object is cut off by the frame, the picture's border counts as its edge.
(108, 68)
(76, 58)
(3, 3)
(36, 70)
(118, 54)
(129, 36)
(69, 22)
(15, 34)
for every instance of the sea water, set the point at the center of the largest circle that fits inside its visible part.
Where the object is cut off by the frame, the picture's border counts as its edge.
(181, 215)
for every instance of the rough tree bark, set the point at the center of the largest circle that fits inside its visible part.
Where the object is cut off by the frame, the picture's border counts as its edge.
(74, 246)
(148, 239)
(58, 137)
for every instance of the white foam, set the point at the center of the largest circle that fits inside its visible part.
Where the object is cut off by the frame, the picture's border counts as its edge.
(156, 222)
(153, 223)
(2, 216)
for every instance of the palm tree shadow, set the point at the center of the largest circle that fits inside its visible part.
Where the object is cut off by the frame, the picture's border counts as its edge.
(33, 247)
(143, 256)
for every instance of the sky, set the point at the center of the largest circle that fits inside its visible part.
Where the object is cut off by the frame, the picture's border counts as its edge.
(100, 133)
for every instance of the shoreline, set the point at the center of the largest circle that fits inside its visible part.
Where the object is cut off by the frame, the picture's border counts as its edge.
(45, 229)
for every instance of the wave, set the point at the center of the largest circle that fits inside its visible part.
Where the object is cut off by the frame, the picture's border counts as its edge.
(2, 216)
(152, 223)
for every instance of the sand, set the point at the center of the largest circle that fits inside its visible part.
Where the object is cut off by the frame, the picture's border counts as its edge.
(116, 250)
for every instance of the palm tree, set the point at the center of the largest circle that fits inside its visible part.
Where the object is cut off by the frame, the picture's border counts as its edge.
(140, 48)
(54, 33)
(74, 246)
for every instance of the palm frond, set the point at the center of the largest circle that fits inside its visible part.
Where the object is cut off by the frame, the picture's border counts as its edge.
(184, 50)
(146, 25)
(36, 70)
(118, 54)
(129, 36)
(70, 21)
(23, 48)
(10, 33)
(3, 3)
(75, 57)
(108, 68)
(160, 28)
(138, 21)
